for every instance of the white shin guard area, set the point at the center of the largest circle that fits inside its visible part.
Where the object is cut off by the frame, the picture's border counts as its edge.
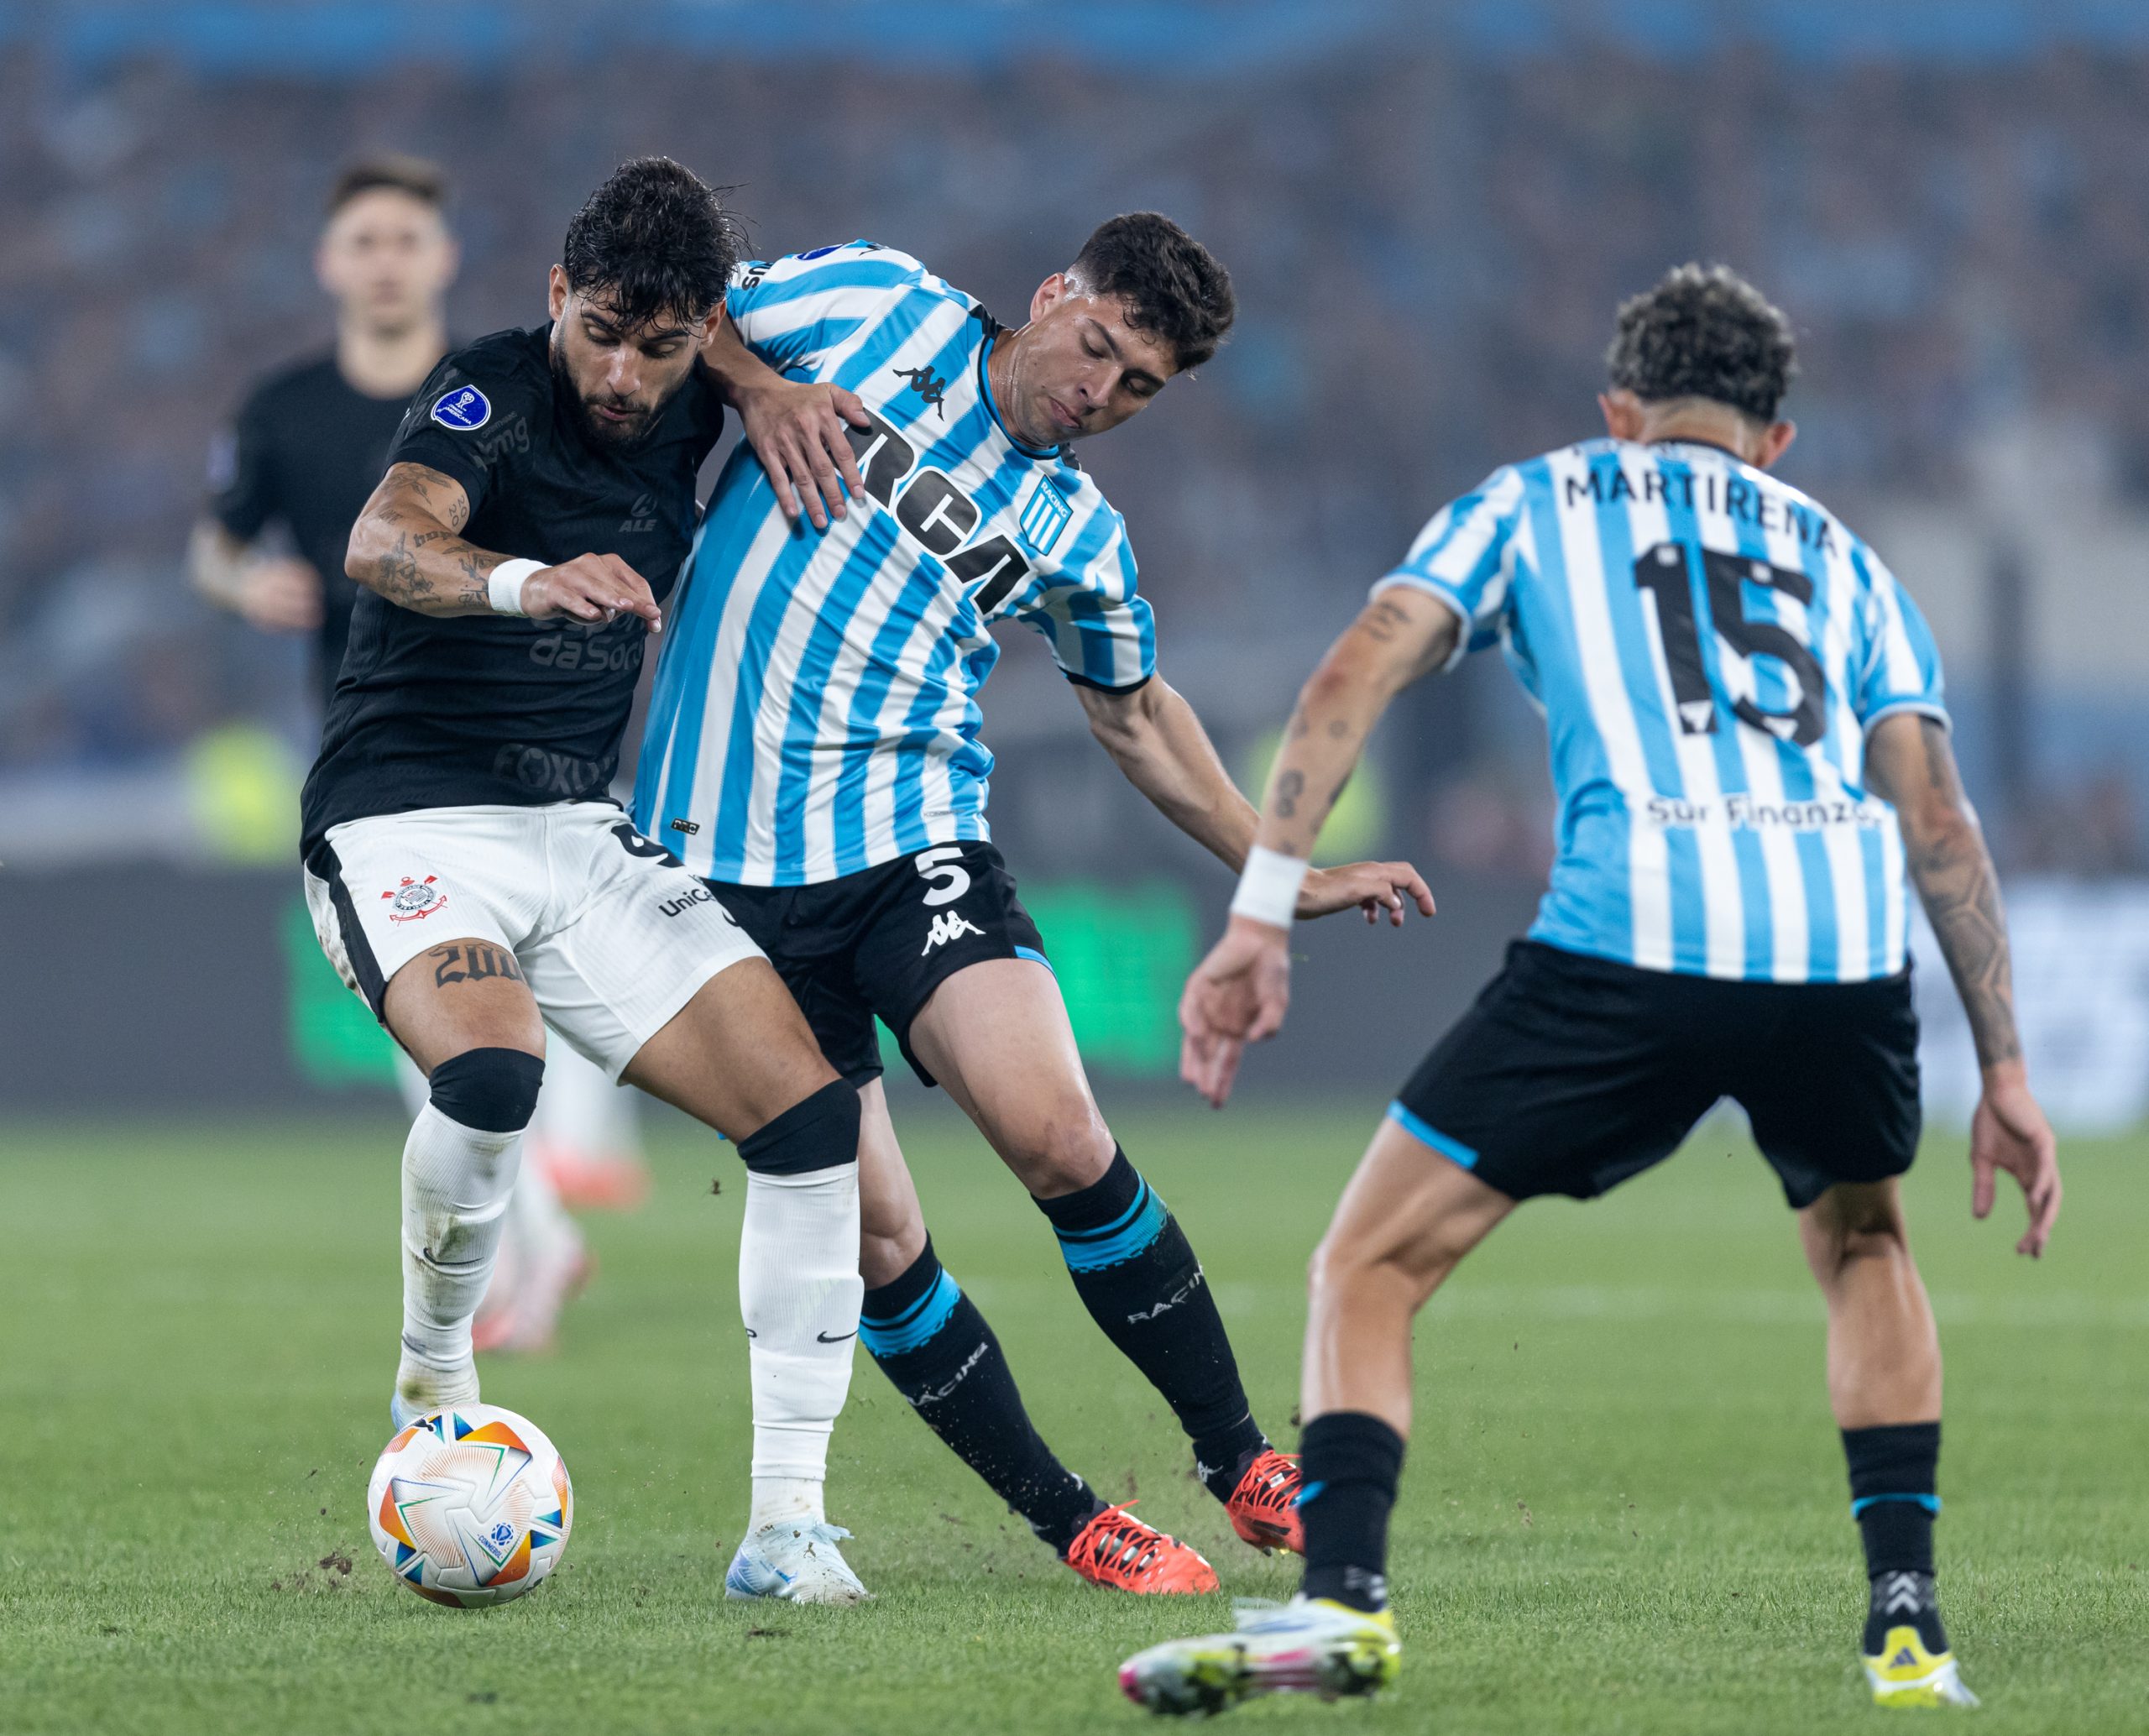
(456, 1181)
(799, 1293)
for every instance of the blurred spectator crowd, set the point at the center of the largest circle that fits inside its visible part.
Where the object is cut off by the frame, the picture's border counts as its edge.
(1427, 249)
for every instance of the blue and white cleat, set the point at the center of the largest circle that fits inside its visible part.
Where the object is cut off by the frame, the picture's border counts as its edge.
(1307, 1646)
(1905, 1673)
(796, 1562)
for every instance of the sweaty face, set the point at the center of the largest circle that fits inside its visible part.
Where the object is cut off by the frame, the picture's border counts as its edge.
(386, 257)
(619, 378)
(1079, 368)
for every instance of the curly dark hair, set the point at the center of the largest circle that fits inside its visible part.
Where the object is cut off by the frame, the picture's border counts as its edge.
(1705, 333)
(1172, 285)
(654, 241)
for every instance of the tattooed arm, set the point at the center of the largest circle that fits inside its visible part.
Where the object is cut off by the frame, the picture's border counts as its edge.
(1238, 994)
(1911, 763)
(406, 546)
(1400, 636)
(1154, 737)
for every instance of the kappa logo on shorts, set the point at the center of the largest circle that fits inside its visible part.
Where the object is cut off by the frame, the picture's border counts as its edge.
(415, 899)
(464, 410)
(949, 925)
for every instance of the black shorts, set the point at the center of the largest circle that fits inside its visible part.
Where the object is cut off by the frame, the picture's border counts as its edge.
(1571, 1073)
(881, 940)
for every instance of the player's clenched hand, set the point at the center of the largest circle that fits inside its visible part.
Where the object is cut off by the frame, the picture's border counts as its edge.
(1236, 996)
(590, 587)
(2010, 1132)
(800, 434)
(1370, 886)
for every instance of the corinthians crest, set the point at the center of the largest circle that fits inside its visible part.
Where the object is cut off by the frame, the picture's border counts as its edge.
(414, 898)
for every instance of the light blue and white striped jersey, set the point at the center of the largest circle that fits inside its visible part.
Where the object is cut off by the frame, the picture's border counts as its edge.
(815, 708)
(1709, 647)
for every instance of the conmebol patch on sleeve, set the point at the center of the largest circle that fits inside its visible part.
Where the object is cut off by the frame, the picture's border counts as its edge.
(462, 410)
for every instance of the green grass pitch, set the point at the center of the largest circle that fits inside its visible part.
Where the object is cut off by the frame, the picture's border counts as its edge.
(1624, 1509)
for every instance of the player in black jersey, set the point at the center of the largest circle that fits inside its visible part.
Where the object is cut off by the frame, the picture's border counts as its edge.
(311, 439)
(303, 453)
(470, 877)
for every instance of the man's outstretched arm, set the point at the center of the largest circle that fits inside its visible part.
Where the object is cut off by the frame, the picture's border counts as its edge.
(1910, 762)
(1155, 738)
(1238, 994)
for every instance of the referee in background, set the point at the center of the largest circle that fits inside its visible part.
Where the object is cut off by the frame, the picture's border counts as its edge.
(308, 444)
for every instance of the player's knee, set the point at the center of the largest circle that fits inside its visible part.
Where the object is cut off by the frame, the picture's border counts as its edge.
(1340, 1262)
(1347, 1262)
(1064, 1150)
(493, 1090)
(1859, 1223)
(819, 1131)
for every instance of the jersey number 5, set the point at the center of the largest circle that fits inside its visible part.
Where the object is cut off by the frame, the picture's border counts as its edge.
(1662, 571)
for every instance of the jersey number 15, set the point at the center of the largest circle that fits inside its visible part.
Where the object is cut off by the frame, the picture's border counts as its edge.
(1663, 572)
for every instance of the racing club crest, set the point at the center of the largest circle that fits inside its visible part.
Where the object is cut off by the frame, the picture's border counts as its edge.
(414, 898)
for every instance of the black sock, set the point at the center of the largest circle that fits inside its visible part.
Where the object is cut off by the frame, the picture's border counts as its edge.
(1351, 1463)
(1894, 1471)
(930, 1339)
(1136, 1273)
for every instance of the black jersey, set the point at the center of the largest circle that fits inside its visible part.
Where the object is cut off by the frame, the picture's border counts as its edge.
(305, 449)
(464, 710)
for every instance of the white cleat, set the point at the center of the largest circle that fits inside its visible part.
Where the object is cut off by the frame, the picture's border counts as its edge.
(1307, 1646)
(796, 1560)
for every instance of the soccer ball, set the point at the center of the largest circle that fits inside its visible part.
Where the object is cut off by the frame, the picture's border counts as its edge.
(470, 1505)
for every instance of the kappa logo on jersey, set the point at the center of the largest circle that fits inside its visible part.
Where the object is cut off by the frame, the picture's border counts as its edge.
(414, 900)
(922, 382)
(949, 925)
(463, 409)
(1045, 515)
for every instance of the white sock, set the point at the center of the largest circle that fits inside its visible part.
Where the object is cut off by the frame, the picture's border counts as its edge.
(456, 1181)
(799, 1293)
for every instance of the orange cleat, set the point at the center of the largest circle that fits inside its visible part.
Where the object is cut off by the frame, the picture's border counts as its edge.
(590, 1181)
(520, 1314)
(1119, 1551)
(1263, 1509)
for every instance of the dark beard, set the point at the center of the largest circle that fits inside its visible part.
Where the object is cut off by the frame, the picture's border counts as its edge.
(596, 433)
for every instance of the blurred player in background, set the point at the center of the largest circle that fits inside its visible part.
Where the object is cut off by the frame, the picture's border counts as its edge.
(1748, 745)
(812, 751)
(472, 879)
(307, 447)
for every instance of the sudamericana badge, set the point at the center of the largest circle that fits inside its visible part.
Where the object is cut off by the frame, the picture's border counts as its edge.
(464, 409)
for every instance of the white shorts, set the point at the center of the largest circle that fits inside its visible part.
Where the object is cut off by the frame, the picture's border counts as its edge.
(612, 936)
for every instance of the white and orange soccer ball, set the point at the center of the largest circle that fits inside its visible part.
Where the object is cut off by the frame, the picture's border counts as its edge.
(470, 1505)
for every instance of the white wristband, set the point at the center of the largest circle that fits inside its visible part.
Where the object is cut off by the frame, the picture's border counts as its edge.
(1268, 887)
(504, 590)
